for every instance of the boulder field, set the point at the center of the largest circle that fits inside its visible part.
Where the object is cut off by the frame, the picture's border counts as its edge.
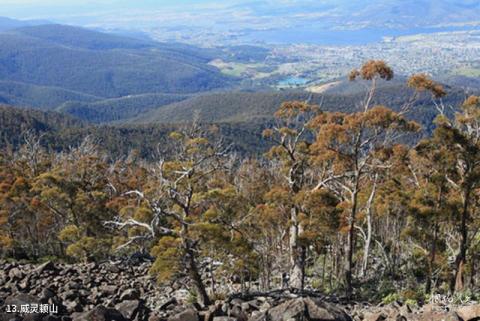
(121, 292)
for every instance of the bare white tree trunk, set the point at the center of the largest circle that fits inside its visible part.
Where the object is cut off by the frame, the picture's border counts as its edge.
(297, 253)
(368, 238)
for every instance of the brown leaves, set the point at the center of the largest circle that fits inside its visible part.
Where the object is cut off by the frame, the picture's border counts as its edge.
(278, 195)
(472, 101)
(291, 109)
(471, 109)
(342, 139)
(469, 119)
(372, 69)
(267, 133)
(383, 117)
(422, 82)
(353, 75)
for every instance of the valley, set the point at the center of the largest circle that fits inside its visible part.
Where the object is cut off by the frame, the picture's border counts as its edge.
(92, 80)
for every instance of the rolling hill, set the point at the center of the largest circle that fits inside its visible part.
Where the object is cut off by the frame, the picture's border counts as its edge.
(259, 107)
(118, 109)
(15, 122)
(60, 132)
(39, 97)
(49, 65)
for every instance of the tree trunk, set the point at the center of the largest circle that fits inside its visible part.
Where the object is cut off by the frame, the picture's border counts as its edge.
(297, 253)
(428, 285)
(473, 274)
(324, 266)
(212, 278)
(366, 248)
(368, 240)
(192, 269)
(351, 246)
(333, 258)
(460, 260)
(196, 279)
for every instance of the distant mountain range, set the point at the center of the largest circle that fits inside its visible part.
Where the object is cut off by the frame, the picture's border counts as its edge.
(8, 24)
(380, 13)
(342, 22)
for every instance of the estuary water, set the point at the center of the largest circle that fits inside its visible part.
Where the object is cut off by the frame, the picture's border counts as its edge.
(321, 35)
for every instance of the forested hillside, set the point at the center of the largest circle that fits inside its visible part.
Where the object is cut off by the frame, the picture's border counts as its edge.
(39, 97)
(16, 124)
(45, 66)
(118, 109)
(260, 106)
(60, 132)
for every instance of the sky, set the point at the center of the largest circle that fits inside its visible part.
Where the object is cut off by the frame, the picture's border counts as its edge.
(52, 9)
(147, 13)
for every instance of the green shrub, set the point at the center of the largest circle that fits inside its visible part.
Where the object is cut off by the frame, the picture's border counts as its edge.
(390, 298)
(463, 297)
(192, 297)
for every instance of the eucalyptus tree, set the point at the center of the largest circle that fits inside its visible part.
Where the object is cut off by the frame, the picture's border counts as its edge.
(174, 205)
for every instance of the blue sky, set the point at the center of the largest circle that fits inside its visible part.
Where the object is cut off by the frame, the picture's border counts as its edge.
(118, 13)
(26, 9)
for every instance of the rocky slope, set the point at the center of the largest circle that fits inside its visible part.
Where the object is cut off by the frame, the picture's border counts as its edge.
(121, 292)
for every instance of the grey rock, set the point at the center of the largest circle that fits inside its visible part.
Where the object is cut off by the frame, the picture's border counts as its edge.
(307, 309)
(258, 316)
(108, 290)
(436, 316)
(213, 311)
(113, 268)
(51, 318)
(73, 285)
(187, 315)
(469, 312)
(73, 306)
(21, 299)
(47, 293)
(47, 266)
(237, 312)
(16, 274)
(99, 313)
(166, 304)
(69, 295)
(132, 309)
(130, 294)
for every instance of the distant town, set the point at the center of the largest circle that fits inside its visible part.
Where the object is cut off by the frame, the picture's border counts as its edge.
(442, 55)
